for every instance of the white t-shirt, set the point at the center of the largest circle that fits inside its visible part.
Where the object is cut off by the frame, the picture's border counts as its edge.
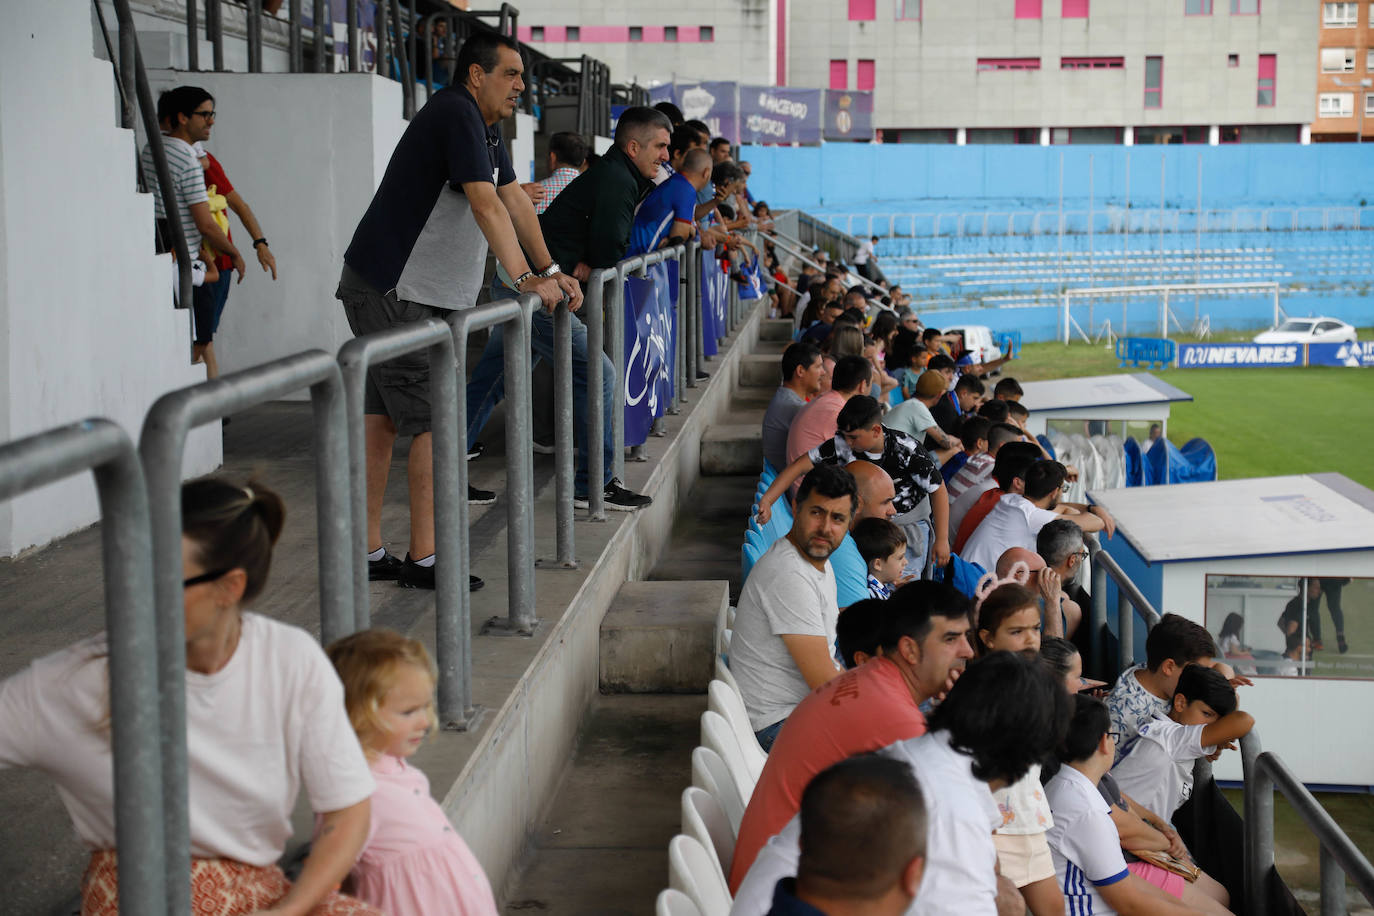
(1023, 806)
(784, 594)
(271, 718)
(864, 253)
(960, 506)
(1084, 842)
(961, 862)
(1013, 522)
(1157, 770)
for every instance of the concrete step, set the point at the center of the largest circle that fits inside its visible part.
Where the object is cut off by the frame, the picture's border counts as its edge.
(750, 401)
(760, 370)
(732, 448)
(776, 329)
(659, 637)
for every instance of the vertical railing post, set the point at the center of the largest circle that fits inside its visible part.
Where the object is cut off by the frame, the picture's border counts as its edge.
(296, 42)
(214, 30)
(615, 330)
(127, 74)
(1125, 637)
(1098, 638)
(192, 39)
(1259, 838)
(693, 311)
(351, 16)
(381, 61)
(321, 18)
(564, 435)
(679, 317)
(594, 317)
(1332, 885)
(131, 634)
(254, 25)
(519, 468)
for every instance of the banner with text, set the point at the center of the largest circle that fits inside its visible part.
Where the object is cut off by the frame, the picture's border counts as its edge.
(848, 115)
(650, 348)
(1354, 355)
(714, 302)
(779, 115)
(713, 102)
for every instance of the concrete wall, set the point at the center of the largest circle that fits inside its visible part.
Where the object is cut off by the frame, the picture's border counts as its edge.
(87, 326)
(927, 74)
(841, 174)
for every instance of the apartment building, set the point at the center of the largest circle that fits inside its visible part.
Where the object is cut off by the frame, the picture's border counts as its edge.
(1345, 78)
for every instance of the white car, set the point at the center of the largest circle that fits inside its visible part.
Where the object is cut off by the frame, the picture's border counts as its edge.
(1308, 330)
(977, 341)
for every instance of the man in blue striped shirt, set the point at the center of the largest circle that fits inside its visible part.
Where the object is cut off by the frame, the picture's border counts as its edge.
(665, 216)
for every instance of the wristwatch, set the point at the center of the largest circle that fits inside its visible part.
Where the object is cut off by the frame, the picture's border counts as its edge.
(527, 275)
(257, 242)
(552, 269)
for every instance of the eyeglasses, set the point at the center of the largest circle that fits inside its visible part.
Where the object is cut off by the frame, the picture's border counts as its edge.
(207, 115)
(203, 578)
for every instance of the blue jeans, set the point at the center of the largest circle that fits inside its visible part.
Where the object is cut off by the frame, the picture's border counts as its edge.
(487, 387)
(766, 736)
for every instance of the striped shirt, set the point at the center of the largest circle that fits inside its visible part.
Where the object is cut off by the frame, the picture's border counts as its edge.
(554, 185)
(188, 186)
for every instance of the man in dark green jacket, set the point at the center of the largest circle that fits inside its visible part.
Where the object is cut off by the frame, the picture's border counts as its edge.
(588, 225)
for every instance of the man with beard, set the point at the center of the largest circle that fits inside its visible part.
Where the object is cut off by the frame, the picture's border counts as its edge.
(782, 648)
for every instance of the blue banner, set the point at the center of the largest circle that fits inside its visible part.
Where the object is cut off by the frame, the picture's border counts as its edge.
(715, 301)
(753, 287)
(1239, 355)
(848, 115)
(714, 103)
(779, 115)
(1356, 355)
(650, 348)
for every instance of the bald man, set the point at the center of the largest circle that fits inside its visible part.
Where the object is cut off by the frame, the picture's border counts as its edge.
(876, 493)
(1050, 587)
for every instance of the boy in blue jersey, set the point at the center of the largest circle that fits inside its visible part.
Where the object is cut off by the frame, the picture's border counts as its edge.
(665, 216)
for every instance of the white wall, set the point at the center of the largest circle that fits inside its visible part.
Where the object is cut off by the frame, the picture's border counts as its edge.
(306, 151)
(86, 322)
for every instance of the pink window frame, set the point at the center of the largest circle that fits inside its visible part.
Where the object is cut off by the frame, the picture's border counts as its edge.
(1074, 9)
(1028, 9)
(992, 64)
(1210, 4)
(865, 71)
(1069, 63)
(1258, 7)
(839, 74)
(907, 4)
(1158, 90)
(863, 10)
(1272, 77)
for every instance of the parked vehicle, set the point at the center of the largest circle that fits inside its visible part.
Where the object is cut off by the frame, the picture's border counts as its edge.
(1308, 330)
(978, 342)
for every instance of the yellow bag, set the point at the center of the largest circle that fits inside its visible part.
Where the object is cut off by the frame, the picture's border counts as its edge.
(219, 211)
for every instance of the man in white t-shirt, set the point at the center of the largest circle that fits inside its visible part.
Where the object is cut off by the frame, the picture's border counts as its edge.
(783, 645)
(1017, 518)
(1084, 842)
(1002, 715)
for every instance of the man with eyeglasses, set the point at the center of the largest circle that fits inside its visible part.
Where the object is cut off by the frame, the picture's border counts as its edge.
(188, 113)
(1062, 546)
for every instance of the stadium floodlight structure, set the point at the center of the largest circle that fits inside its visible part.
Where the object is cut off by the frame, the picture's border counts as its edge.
(1067, 323)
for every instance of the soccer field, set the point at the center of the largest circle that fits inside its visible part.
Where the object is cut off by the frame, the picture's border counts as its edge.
(1260, 422)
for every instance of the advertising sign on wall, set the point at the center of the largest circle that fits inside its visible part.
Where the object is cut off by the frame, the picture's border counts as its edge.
(848, 115)
(1239, 355)
(779, 115)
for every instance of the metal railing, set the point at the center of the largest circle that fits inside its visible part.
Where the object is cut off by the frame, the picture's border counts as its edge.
(131, 632)
(1130, 602)
(596, 313)
(161, 447)
(1340, 857)
(133, 83)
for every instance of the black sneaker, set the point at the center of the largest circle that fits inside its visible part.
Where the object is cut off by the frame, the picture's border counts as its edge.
(413, 575)
(544, 447)
(702, 374)
(1341, 643)
(387, 569)
(478, 497)
(617, 498)
(476, 451)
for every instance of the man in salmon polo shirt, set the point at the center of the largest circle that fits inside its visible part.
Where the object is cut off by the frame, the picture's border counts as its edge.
(923, 644)
(815, 423)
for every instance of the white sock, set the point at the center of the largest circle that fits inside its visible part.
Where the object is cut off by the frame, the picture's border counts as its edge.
(427, 561)
(377, 554)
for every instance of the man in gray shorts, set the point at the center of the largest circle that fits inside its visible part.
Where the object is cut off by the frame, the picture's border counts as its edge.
(420, 251)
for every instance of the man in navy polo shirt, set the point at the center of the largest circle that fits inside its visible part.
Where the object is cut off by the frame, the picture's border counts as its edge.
(420, 251)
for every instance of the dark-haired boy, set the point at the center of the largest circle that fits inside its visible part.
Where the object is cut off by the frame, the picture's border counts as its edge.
(1084, 841)
(1157, 769)
(973, 436)
(883, 548)
(1008, 389)
(922, 509)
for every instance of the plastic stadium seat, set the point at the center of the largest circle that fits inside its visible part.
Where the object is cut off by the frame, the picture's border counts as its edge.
(716, 735)
(1133, 464)
(723, 643)
(675, 903)
(710, 773)
(1045, 441)
(769, 472)
(724, 676)
(691, 870)
(756, 539)
(749, 556)
(728, 703)
(704, 820)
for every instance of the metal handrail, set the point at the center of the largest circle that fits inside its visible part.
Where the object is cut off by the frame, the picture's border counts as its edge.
(131, 632)
(131, 66)
(161, 448)
(1129, 599)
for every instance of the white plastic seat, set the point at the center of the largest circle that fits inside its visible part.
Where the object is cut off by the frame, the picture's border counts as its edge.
(727, 702)
(716, 734)
(675, 903)
(723, 642)
(705, 820)
(709, 772)
(723, 674)
(692, 871)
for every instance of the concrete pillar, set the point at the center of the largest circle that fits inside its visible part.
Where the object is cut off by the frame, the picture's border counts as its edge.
(1128, 136)
(1214, 135)
(1305, 134)
(961, 136)
(1044, 136)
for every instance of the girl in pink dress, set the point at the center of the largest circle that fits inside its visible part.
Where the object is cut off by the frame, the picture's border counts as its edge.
(413, 863)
